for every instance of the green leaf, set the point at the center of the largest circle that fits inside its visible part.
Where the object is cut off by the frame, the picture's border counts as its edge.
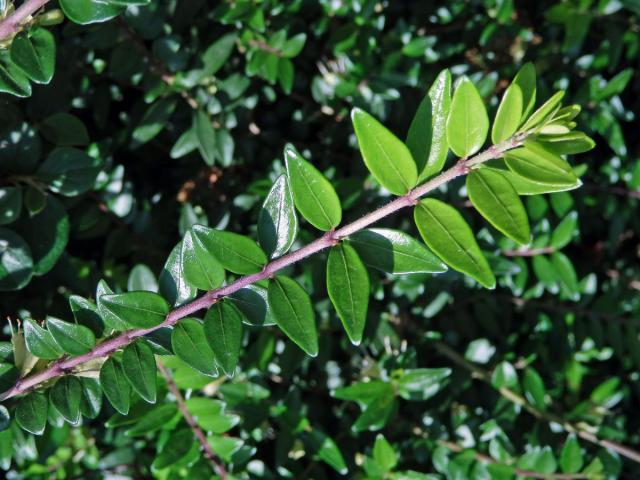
(47, 233)
(566, 274)
(136, 309)
(393, 251)
(110, 319)
(534, 390)
(384, 454)
(10, 204)
(527, 187)
(91, 399)
(541, 114)
(189, 344)
(142, 278)
(155, 419)
(278, 223)
(65, 395)
(294, 45)
(206, 136)
(139, 367)
(85, 12)
(236, 253)
(539, 165)
(215, 56)
(223, 331)
(175, 448)
(348, 288)
(16, 263)
(526, 80)
(571, 459)
(35, 53)
(427, 139)
(498, 202)
(422, 383)
(199, 267)
(468, 123)
(508, 115)
(210, 414)
(172, 284)
(31, 413)
(69, 171)
(64, 129)
(34, 200)
(12, 79)
(324, 448)
(293, 312)
(313, 195)
(115, 386)
(252, 302)
(5, 418)
(567, 144)
(39, 341)
(449, 236)
(565, 231)
(153, 121)
(72, 338)
(387, 158)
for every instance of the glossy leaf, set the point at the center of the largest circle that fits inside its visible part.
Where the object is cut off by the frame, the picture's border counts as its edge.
(468, 123)
(74, 339)
(348, 288)
(527, 187)
(566, 274)
(175, 448)
(498, 202)
(115, 385)
(65, 395)
(215, 56)
(39, 341)
(154, 419)
(277, 222)
(236, 253)
(64, 129)
(313, 195)
(427, 139)
(252, 302)
(111, 320)
(10, 204)
(16, 262)
(189, 344)
(539, 165)
(326, 450)
(199, 267)
(136, 309)
(31, 413)
(568, 143)
(153, 121)
(448, 235)
(508, 115)
(172, 283)
(393, 251)
(571, 459)
(387, 158)
(139, 368)
(91, 398)
(69, 171)
(86, 12)
(12, 78)
(223, 331)
(422, 383)
(541, 114)
(35, 54)
(293, 312)
(526, 80)
(206, 136)
(210, 414)
(534, 389)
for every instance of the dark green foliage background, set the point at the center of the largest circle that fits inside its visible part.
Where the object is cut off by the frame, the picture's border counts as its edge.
(381, 57)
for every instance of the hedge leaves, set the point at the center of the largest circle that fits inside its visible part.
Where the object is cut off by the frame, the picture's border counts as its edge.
(468, 123)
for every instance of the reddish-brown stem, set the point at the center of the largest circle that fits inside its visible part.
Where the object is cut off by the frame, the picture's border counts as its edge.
(67, 364)
(197, 431)
(528, 252)
(13, 23)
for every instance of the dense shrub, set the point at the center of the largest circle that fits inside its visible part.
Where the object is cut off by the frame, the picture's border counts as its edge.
(145, 147)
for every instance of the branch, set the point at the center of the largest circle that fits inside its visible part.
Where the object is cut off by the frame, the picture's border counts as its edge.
(582, 430)
(528, 252)
(66, 365)
(13, 23)
(197, 431)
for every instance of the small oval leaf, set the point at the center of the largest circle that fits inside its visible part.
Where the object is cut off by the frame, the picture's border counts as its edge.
(65, 395)
(140, 309)
(387, 158)
(278, 223)
(190, 345)
(139, 366)
(468, 123)
(72, 338)
(31, 413)
(115, 386)
(450, 237)
(508, 115)
(348, 288)
(313, 195)
(293, 312)
(223, 331)
(537, 164)
(236, 253)
(199, 267)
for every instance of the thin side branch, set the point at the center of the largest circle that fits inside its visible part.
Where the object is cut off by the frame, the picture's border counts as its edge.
(13, 23)
(582, 430)
(66, 365)
(197, 431)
